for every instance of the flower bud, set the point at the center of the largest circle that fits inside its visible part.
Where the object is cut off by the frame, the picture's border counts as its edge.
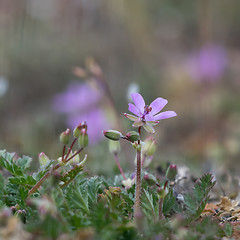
(78, 128)
(77, 131)
(114, 147)
(65, 136)
(171, 172)
(150, 179)
(43, 159)
(112, 134)
(149, 146)
(83, 138)
(132, 136)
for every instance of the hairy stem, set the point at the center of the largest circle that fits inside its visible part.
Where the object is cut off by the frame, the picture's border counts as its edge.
(38, 184)
(160, 214)
(119, 166)
(137, 206)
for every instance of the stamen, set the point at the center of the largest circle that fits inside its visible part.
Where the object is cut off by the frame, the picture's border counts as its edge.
(148, 109)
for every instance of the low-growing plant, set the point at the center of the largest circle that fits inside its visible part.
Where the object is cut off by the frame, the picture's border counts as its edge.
(61, 199)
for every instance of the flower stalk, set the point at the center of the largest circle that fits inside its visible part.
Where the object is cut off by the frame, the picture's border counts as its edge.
(119, 166)
(64, 138)
(47, 174)
(137, 206)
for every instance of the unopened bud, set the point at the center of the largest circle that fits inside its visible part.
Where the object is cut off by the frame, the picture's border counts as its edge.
(43, 159)
(114, 147)
(83, 138)
(132, 136)
(112, 134)
(171, 172)
(150, 179)
(77, 131)
(65, 136)
(149, 146)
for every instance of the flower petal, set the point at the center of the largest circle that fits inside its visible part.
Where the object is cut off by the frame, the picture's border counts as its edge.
(163, 115)
(157, 105)
(138, 101)
(131, 117)
(132, 108)
(149, 128)
(149, 117)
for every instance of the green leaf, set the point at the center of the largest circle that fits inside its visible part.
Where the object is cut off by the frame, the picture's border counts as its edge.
(71, 174)
(24, 162)
(196, 200)
(7, 163)
(168, 202)
(94, 185)
(26, 180)
(228, 229)
(148, 205)
(77, 197)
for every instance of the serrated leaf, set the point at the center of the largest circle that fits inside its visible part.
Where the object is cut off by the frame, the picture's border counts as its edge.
(94, 185)
(148, 205)
(10, 166)
(77, 197)
(71, 174)
(24, 162)
(27, 180)
(168, 202)
(196, 200)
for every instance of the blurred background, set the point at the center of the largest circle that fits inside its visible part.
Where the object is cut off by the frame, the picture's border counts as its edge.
(66, 61)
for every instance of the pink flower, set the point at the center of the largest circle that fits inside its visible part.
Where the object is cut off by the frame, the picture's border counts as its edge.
(81, 102)
(147, 115)
(208, 64)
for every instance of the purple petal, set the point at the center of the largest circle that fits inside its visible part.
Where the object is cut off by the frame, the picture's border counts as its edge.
(157, 105)
(149, 117)
(132, 108)
(138, 101)
(77, 98)
(163, 115)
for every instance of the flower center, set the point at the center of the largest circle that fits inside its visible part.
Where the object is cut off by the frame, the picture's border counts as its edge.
(147, 109)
